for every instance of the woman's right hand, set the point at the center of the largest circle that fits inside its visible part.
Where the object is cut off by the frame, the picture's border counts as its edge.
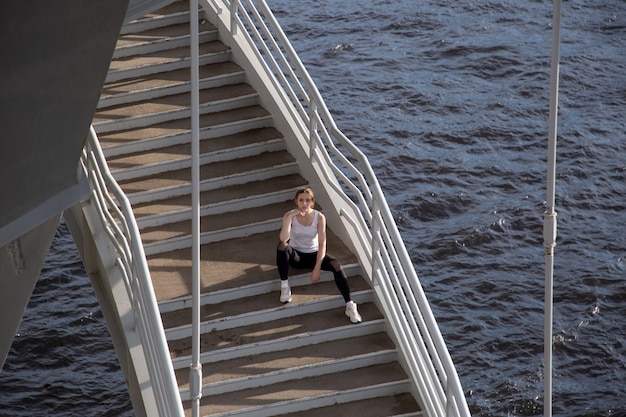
(295, 212)
(285, 231)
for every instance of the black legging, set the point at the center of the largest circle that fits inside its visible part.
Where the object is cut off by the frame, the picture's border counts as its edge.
(287, 256)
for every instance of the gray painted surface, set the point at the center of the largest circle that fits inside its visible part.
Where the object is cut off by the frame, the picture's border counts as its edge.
(55, 59)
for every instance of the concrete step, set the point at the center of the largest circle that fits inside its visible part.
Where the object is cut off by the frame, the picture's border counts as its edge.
(161, 39)
(178, 157)
(171, 158)
(212, 126)
(227, 199)
(382, 380)
(230, 264)
(323, 351)
(286, 369)
(170, 83)
(165, 61)
(212, 176)
(397, 405)
(174, 13)
(228, 315)
(268, 316)
(175, 107)
(214, 228)
(286, 343)
(254, 289)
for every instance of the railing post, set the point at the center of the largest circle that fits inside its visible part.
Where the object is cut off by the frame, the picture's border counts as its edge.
(449, 400)
(375, 233)
(195, 369)
(549, 222)
(312, 128)
(234, 9)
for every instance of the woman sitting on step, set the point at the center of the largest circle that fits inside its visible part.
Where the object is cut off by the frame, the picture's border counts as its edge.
(303, 245)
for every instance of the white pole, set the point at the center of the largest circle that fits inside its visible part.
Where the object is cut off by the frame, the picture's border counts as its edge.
(549, 222)
(195, 376)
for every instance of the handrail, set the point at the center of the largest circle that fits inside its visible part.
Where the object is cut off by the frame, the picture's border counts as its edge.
(118, 221)
(401, 294)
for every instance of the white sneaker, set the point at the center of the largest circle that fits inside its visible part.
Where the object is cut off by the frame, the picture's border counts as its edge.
(352, 313)
(285, 295)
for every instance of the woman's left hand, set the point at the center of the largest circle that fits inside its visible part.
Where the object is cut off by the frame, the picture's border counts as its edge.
(315, 275)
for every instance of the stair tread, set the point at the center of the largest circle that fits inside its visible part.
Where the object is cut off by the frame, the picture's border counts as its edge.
(183, 151)
(399, 404)
(226, 264)
(207, 171)
(215, 222)
(293, 390)
(300, 294)
(288, 326)
(160, 34)
(284, 359)
(219, 195)
(168, 78)
(171, 103)
(179, 126)
(172, 8)
(169, 55)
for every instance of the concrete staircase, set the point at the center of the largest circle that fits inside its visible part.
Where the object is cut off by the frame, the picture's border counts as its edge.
(260, 358)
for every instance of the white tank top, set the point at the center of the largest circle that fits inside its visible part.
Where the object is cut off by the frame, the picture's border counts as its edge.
(304, 238)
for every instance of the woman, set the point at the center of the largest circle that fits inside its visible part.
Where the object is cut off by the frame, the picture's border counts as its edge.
(303, 245)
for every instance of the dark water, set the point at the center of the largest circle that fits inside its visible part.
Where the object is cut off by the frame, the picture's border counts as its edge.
(62, 361)
(450, 102)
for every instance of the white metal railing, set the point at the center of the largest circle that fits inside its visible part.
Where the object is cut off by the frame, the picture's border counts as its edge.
(118, 222)
(348, 170)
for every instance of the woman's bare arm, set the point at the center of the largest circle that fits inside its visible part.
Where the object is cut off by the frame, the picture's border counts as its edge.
(285, 230)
